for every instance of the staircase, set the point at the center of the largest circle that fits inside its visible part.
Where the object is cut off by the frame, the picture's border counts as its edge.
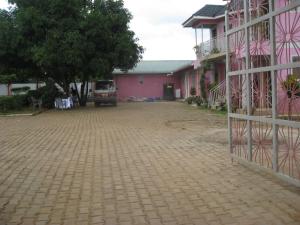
(217, 95)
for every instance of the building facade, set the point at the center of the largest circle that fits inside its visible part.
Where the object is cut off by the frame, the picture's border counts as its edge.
(210, 54)
(152, 79)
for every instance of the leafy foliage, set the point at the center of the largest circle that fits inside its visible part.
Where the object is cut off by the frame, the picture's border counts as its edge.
(68, 41)
(193, 91)
(20, 90)
(195, 99)
(12, 102)
(7, 79)
(47, 94)
(205, 67)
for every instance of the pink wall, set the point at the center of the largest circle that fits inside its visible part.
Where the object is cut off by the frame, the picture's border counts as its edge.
(192, 82)
(151, 87)
(220, 28)
(182, 86)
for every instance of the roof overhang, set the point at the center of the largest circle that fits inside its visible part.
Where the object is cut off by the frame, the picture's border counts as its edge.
(215, 57)
(178, 70)
(192, 20)
(184, 68)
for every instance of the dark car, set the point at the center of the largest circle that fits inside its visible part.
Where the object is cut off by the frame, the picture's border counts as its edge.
(105, 93)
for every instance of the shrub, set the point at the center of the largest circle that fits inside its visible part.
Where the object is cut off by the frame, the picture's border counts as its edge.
(215, 51)
(47, 94)
(21, 101)
(291, 84)
(20, 90)
(193, 91)
(223, 106)
(190, 100)
(198, 100)
(13, 102)
(33, 93)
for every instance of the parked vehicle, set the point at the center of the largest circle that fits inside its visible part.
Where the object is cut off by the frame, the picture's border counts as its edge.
(105, 92)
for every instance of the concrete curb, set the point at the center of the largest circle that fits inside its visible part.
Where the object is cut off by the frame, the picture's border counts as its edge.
(21, 114)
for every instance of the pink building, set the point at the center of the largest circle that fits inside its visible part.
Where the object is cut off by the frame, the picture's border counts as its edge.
(210, 54)
(161, 79)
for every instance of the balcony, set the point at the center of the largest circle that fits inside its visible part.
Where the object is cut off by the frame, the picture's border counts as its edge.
(213, 48)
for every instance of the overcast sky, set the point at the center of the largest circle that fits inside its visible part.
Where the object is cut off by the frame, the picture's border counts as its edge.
(157, 23)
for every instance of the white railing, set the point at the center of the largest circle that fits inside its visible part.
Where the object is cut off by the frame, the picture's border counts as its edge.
(217, 94)
(212, 46)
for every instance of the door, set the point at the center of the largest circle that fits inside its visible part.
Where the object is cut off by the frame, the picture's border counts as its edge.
(169, 92)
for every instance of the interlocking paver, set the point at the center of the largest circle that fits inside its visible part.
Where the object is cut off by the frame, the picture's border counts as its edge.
(143, 163)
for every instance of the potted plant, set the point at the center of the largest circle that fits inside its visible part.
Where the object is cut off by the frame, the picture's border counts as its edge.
(291, 85)
(190, 100)
(193, 91)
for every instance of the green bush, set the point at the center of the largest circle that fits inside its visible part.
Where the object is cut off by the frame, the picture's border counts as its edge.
(193, 91)
(190, 100)
(48, 94)
(223, 107)
(33, 93)
(198, 100)
(195, 99)
(8, 103)
(20, 90)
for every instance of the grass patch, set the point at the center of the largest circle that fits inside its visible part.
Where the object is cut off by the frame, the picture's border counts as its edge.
(217, 112)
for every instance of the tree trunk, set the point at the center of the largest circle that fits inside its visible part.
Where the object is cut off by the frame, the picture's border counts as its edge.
(83, 95)
(9, 89)
(77, 92)
(67, 88)
(37, 84)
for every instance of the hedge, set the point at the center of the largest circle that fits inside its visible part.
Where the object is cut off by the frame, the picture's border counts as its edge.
(17, 102)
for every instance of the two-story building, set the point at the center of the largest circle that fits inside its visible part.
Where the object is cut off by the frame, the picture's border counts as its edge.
(210, 62)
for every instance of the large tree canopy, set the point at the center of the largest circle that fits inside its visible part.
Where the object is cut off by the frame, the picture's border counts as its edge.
(68, 40)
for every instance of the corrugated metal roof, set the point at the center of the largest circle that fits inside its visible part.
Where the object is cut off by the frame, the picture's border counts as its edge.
(157, 67)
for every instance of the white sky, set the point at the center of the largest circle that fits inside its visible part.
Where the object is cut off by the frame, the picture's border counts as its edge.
(157, 23)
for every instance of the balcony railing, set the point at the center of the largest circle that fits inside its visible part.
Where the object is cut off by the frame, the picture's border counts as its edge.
(217, 95)
(213, 46)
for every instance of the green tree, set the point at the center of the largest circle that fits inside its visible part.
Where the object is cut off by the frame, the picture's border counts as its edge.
(75, 40)
(7, 80)
(15, 56)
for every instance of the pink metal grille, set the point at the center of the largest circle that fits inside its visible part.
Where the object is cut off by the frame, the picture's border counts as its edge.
(289, 151)
(288, 95)
(287, 36)
(239, 138)
(238, 91)
(288, 51)
(235, 13)
(261, 94)
(262, 144)
(237, 51)
(260, 45)
(256, 103)
(258, 8)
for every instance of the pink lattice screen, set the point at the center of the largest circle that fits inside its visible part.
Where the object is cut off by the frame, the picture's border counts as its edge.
(263, 83)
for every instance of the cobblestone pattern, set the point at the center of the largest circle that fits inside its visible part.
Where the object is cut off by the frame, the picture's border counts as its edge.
(144, 163)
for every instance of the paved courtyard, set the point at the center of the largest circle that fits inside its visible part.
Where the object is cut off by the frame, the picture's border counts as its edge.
(139, 163)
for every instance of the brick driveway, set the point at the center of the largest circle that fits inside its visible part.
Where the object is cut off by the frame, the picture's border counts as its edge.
(144, 163)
